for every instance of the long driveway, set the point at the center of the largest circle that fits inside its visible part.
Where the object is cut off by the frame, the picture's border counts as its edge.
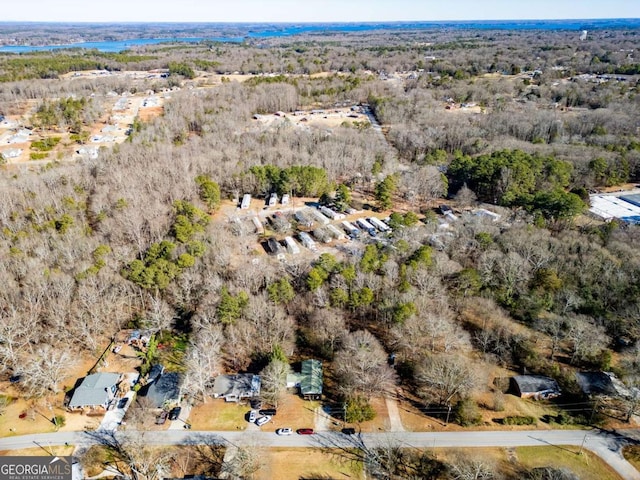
(606, 444)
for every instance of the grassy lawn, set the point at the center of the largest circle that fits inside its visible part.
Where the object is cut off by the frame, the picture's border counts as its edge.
(294, 412)
(586, 466)
(381, 422)
(632, 454)
(217, 414)
(61, 451)
(296, 463)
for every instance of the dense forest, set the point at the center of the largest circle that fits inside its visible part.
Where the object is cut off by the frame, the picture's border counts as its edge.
(132, 240)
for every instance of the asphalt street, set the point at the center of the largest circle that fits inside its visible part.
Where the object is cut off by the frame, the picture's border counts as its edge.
(606, 444)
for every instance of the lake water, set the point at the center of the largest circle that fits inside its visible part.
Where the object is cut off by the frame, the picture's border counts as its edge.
(280, 30)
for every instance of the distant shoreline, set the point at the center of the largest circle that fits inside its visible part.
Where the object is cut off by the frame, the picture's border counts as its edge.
(238, 32)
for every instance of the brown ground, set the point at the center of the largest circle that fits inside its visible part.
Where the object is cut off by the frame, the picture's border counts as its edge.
(293, 464)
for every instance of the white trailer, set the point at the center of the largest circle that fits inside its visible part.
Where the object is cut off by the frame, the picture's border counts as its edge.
(246, 201)
(285, 199)
(379, 224)
(366, 226)
(258, 224)
(319, 216)
(307, 241)
(335, 232)
(331, 214)
(350, 228)
(273, 199)
(292, 246)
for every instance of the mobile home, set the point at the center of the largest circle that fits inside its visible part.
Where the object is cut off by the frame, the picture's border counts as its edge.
(350, 229)
(366, 226)
(258, 224)
(379, 224)
(307, 241)
(335, 232)
(292, 246)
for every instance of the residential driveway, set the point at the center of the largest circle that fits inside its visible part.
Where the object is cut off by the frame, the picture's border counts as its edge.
(321, 420)
(113, 418)
(395, 423)
(183, 418)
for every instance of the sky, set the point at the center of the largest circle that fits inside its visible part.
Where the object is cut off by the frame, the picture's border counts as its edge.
(313, 10)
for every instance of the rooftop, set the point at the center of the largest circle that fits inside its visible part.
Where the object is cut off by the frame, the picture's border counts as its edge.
(94, 390)
(535, 383)
(311, 377)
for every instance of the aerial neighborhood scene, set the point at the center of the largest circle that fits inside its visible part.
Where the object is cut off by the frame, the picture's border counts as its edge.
(320, 240)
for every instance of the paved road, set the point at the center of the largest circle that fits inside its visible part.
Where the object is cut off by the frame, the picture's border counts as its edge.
(604, 443)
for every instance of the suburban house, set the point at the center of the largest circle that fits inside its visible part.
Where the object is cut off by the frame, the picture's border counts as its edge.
(311, 379)
(162, 388)
(234, 388)
(601, 383)
(95, 391)
(535, 386)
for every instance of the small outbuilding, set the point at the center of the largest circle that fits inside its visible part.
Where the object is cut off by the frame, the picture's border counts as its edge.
(535, 386)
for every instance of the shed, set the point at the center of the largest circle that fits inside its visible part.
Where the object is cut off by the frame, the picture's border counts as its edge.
(311, 379)
(246, 201)
(236, 387)
(96, 390)
(535, 386)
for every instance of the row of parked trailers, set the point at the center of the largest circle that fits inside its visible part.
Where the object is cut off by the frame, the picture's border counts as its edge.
(370, 225)
(325, 233)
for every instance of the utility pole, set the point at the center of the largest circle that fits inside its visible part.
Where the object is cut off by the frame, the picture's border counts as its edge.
(448, 413)
(582, 445)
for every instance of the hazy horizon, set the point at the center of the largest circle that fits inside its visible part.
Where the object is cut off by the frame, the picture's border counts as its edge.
(315, 11)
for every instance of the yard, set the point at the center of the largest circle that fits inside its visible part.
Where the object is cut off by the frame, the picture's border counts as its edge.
(216, 414)
(296, 463)
(586, 466)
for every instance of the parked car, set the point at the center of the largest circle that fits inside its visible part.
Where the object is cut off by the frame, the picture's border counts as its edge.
(284, 431)
(268, 411)
(175, 413)
(349, 431)
(160, 419)
(122, 402)
(445, 209)
(305, 431)
(262, 420)
(252, 416)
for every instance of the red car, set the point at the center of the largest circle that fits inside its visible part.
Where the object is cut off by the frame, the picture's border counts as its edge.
(305, 431)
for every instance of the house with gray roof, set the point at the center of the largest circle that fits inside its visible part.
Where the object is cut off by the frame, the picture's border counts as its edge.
(535, 386)
(164, 389)
(234, 388)
(95, 391)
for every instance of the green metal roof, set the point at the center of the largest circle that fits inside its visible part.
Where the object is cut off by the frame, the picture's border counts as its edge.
(311, 377)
